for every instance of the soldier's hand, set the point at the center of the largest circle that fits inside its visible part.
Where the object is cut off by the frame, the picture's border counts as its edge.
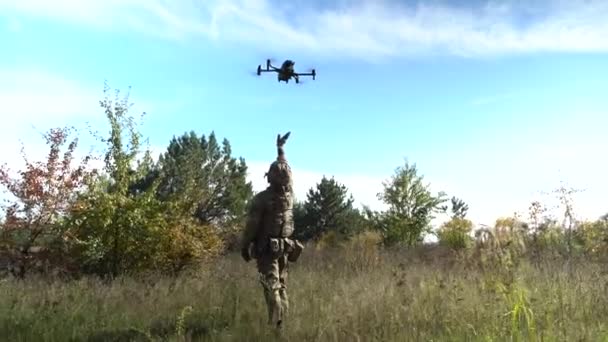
(245, 254)
(282, 139)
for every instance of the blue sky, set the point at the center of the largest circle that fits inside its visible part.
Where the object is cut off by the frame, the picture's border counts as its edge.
(494, 101)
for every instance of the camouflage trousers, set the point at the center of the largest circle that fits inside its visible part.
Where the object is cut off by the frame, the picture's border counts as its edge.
(273, 277)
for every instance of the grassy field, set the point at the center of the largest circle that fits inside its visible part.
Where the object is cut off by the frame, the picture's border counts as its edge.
(347, 295)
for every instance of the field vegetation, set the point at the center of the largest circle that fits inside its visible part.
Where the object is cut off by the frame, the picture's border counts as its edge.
(146, 249)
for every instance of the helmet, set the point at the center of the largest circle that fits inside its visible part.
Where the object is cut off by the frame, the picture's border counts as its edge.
(279, 174)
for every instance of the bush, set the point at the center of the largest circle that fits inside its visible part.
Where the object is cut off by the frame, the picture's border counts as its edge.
(41, 198)
(411, 207)
(593, 236)
(455, 233)
(186, 242)
(327, 240)
(120, 230)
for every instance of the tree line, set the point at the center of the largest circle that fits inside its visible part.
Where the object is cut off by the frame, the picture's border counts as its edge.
(135, 214)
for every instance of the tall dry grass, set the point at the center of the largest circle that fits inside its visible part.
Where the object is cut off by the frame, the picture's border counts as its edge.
(352, 292)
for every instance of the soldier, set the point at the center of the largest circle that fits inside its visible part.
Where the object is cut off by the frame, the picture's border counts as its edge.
(267, 235)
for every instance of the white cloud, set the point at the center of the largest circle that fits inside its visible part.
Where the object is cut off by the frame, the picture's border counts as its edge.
(362, 187)
(34, 101)
(35, 97)
(365, 29)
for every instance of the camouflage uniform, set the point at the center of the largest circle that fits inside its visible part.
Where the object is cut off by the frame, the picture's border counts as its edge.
(267, 236)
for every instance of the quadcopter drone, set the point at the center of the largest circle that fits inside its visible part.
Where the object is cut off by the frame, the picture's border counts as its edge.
(285, 72)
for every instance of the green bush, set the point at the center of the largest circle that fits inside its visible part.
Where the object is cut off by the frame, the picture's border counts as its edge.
(119, 230)
(593, 236)
(455, 233)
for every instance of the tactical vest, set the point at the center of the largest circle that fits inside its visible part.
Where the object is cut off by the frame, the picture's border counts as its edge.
(278, 215)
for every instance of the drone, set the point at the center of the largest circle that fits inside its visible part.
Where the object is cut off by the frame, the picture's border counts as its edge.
(285, 72)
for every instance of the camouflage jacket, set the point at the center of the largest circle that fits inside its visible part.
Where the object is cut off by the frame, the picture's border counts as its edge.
(270, 215)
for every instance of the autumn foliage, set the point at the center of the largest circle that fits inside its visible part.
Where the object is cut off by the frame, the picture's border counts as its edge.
(41, 197)
(137, 213)
(103, 221)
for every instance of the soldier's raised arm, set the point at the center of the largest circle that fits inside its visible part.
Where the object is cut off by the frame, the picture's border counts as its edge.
(281, 140)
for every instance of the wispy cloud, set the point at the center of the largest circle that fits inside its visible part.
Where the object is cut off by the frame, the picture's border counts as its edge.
(34, 101)
(35, 96)
(31, 96)
(365, 28)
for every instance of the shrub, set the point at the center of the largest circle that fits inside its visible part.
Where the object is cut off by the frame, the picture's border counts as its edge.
(121, 230)
(593, 236)
(455, 233)
(40, 198)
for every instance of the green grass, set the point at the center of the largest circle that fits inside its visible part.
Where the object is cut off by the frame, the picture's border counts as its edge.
(335, 296)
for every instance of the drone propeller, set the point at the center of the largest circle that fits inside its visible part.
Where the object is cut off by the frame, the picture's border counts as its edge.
(270, 62)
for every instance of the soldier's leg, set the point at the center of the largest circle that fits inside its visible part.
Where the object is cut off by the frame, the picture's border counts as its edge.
(267, 297)
(283, 273)
(270, 280)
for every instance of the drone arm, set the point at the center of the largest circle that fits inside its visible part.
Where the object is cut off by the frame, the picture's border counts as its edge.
(313, 74)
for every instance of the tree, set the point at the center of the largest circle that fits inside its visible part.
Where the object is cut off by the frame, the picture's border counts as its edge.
(592, 236)
(564, 195)
(122, 228)
(455, 233)
(42, 195)
(328, 208)
(459, 208)
(411, 207)
(300, 220)
(112, 223)
(203, 178)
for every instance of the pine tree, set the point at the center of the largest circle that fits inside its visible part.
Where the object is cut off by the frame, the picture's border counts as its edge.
(328, 208)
